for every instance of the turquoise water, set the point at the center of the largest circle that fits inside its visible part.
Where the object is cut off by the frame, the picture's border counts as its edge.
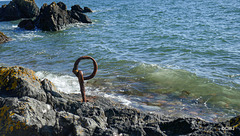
(178, 57)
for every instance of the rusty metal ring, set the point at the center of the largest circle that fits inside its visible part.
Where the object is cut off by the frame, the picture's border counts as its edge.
(75, 68)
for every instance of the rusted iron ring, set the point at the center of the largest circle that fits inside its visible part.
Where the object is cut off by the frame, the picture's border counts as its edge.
(75, 68)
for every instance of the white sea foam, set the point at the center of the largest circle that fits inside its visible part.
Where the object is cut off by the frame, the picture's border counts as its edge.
(27, 36)
(64, 83)
(69, 84)
(118, 98)
(14, 26)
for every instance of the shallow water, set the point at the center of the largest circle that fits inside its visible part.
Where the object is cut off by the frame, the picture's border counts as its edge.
(176, 57)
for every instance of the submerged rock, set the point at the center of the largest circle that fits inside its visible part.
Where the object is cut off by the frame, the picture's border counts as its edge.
(27, 24)
(30, 106)
(18, 9)
(55, 16)
(3, 38)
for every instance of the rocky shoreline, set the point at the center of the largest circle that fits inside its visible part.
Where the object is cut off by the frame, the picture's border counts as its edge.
(51, 17)
(30, 106)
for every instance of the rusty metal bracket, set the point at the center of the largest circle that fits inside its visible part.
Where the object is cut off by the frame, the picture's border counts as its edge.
(80, 76)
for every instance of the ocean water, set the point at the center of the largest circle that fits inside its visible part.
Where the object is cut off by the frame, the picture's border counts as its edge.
(177, 57)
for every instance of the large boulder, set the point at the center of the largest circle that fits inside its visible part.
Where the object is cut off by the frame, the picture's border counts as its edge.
(55, 16)
(29, 106)
(28, 8)
(18, 9)
(3, 38)
(19, 82)
(77, 15)
(52, 17)
(27, 24)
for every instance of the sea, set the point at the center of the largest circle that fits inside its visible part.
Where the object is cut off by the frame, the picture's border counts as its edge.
(174, 57)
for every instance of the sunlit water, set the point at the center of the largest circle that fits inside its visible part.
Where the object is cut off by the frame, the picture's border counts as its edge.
(174, 57)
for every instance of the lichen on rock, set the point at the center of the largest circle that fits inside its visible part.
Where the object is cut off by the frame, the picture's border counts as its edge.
(10, 76)
(3, 38)
(7, 124)
(18, 81)
(39, 109)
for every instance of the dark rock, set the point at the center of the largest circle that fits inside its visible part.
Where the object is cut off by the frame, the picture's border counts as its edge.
(28, 8)
(62, 6)
(178, 127)
(18, 9)
(55, 16)
(153, 129)
(27, 24)
(105, 132)
(80, 17)
(10, 12)
(3, 6)
(3, 38)
(29, 107)
(76, 8)
(86, 9)
(52, 17)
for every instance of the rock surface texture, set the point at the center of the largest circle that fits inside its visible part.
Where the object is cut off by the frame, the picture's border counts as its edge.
(18, 9)
(55, 16)
(3, 38)
(30, 106)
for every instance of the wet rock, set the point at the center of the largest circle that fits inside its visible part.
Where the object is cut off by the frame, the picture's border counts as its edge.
(86, 9)
(52, 17)
(3, 38)
(18, 9)
(79, 17)
(178, 127)
(76, 8)
(27, 24)
(55, 16)
(28, 8)
(30, 106)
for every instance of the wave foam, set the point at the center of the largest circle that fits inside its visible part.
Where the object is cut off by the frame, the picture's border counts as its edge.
(69, 84)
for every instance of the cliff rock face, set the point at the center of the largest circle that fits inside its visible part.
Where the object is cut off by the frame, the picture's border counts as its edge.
(30, 106)
(3, 38)
(18, 9)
